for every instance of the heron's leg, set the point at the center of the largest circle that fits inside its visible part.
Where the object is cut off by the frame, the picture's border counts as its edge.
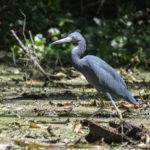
(118, 111)
(99, 110)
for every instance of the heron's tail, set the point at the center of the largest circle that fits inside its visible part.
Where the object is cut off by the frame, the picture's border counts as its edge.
(131, 98)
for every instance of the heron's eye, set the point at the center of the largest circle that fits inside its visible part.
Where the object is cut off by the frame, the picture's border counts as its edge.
(73, 37)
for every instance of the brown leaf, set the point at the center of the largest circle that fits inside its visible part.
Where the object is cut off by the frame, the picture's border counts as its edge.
(65, 104)
(32, 81)
(128, 106)
(34, 125)
(68, 104)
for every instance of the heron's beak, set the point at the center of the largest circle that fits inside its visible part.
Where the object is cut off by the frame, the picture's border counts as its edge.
(65, 40)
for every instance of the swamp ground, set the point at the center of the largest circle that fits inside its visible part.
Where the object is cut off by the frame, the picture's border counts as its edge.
(35, 114)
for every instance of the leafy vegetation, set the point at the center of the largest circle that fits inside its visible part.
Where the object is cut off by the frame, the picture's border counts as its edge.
(115, 31)
(48, 112)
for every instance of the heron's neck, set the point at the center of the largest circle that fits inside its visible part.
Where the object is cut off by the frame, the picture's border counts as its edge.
(77, 52)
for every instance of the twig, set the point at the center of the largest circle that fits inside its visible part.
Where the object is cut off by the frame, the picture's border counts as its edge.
(24, 24)
(25, 50)
(14, 58)
(101, 3)
(34, 51)
(60, 61)
(23, 30)
(30, 56)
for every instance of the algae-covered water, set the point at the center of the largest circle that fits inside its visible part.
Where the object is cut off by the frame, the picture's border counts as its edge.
(35, 115)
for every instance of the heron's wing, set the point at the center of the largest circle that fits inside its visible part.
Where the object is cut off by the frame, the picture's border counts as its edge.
(104, 77)
(103, 72)
(109, 70)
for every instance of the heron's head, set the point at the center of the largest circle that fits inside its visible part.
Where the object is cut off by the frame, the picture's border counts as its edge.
(74, 37)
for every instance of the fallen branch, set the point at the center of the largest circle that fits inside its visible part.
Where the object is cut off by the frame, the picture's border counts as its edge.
(106, 134)
(29, 55)
(116, 133)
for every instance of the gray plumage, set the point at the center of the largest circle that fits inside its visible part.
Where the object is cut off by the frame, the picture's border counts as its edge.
(104, 78)
(97, 72)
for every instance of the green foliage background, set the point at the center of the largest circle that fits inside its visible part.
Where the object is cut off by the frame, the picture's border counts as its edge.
(115, 30)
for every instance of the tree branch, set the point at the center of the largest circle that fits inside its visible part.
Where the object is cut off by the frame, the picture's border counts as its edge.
(29, 55)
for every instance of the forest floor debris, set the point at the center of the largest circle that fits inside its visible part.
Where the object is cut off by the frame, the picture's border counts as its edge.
(51, 116)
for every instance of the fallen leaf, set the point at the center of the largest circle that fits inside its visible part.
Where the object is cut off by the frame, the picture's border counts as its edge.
(145, 138)
(32, 81)
(60, 74)
(34, 125)
(71, 124)
(128, 106)
(68, 104)
(30, 144)
(132, 78)
(141, 145)
(65, 104)
(93, 103)
(78, 127)
(19, 124)
(39, 112)
(64, 112)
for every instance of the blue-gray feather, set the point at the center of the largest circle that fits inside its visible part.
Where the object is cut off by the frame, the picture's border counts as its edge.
(103, 77)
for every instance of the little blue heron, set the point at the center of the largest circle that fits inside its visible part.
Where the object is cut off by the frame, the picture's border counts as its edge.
(97, 72)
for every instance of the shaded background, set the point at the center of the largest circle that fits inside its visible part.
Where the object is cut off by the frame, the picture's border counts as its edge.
(117, 31)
